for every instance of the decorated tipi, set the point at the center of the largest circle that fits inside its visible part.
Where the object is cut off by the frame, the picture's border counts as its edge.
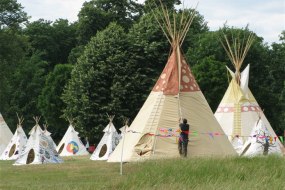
(176, 95)
(108, 142)
(261, 142)
(239, 110)
(16, 144)
(5, 134)
(39, 149)
(71, 145)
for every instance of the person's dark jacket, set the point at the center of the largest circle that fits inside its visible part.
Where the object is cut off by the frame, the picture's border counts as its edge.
(184, 127)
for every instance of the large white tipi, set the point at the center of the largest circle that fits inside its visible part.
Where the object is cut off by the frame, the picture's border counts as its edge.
(108, 142)
(261, 142)
(175, 95)
(238, 111)
(5, 134)
(39, 149)
(16, 144)
(70, 144)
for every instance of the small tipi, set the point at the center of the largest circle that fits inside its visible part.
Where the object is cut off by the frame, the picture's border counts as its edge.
(5, 134)
(108, 142)
(16, 144)
(238, 111)
(39, 148)
(175, 95)
(261, 142)
(70, 144)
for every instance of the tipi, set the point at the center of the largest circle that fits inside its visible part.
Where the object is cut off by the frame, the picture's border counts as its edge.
(70, 144)
(108, 142)
(261, 142)
(16, 144)
(239, 110)
(175, 95)
(39, 148)
(5, 134)
(48, 134)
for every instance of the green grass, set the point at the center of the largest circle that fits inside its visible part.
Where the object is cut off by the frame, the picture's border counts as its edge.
(195, 173)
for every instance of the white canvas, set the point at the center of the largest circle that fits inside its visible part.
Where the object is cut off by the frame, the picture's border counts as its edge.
(71, 145)
(5, 134)
(38, 150)
(15, 146)
(107, 144)
(261, 142)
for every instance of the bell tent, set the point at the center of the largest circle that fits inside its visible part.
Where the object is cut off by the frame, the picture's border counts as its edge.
(71, 145)
(108, 142)
(175, 95)
(5, 134)
(39, 148)
(238, 111)
(16, 144)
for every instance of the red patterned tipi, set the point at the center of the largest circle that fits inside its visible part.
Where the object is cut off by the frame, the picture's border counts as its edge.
(175, 95)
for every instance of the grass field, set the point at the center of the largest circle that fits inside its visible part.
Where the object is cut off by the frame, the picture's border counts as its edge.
(195, 173)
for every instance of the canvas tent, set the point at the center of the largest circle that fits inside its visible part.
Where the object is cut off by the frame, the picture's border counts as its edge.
(16, 144)
(39, 149)
(48, 134)
(239, 110)
(108, 142)
(5, 134)
(71, 145)
(261, 142)
(175, 95)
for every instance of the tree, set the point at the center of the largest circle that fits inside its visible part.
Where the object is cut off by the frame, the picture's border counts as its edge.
(12, 50)
(153, 4)
(53, 40)
(49, 101)
(276, 84)
(96, 15)
(87, 94)
(11, 14)
(211, 76)
(26, 84)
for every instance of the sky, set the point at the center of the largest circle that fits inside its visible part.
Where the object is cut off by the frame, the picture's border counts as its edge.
(265, 17)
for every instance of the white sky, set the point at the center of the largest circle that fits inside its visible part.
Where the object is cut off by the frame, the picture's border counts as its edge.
(265, 17)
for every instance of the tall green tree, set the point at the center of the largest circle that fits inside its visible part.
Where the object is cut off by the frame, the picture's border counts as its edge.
(53, 40)
(27, 84)
(88, 93)
(49, 102)
(276, 85)
(12, 50)
(11, 14)
(96, 15)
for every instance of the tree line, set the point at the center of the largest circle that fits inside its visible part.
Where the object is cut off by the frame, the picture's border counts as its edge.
(108, 61)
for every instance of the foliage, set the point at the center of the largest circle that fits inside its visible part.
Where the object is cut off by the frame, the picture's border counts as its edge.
(118, 67)
(28, 81)
(53, 40)
(88, 92)
(11, 14)
(96, 15)
(50, 103)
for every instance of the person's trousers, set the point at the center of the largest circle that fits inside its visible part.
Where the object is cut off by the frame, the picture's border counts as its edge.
(182, 147)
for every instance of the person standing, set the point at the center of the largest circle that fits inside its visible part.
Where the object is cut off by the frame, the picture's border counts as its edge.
(183, 139)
